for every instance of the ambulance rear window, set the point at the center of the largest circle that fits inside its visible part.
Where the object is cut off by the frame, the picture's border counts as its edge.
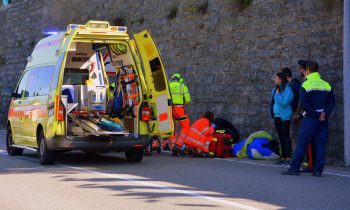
(157, 74)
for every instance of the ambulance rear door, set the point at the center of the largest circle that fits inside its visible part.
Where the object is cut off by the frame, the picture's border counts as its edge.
(158, 93)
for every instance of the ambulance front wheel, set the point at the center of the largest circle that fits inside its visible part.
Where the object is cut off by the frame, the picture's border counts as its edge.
(134, 156)
(12, 151)
(46, 156)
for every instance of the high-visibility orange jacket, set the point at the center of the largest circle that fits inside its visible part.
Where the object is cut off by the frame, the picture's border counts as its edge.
(200, 135)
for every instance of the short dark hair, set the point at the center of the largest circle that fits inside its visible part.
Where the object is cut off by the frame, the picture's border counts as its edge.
(287, 71)
(312, 66)
(210, 116)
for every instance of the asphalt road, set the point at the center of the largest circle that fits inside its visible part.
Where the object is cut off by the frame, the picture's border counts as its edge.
(79, 181)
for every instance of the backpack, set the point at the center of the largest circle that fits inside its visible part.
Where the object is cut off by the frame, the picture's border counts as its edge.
(221, 145)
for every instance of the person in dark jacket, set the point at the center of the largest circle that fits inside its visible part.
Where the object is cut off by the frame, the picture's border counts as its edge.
(281, 103)
(223, 124)
(317, 101)
(295, 85)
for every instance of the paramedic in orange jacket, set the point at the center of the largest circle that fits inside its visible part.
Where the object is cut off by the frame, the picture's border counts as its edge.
(199, 135)
(181, 97)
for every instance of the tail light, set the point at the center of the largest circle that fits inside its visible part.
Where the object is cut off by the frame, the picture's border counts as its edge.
(59, 112)
(146, 113)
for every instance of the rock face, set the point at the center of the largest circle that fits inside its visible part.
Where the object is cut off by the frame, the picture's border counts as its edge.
(227, 53)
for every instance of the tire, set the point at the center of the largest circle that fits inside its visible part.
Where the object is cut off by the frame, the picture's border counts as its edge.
(46, 156)
(134, 156)
(12, 151)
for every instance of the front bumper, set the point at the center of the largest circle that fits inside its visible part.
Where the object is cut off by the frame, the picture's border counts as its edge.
(96, 143)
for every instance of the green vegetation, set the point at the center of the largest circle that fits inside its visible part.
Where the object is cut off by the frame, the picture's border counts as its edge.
(200, 8)
(244, 3)
(173, 12)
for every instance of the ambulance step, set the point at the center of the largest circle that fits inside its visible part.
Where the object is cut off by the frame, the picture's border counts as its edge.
(24, 147)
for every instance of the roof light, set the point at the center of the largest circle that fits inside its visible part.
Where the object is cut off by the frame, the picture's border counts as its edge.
(93, 25)
(103, 25)
(121, 28)
(114, 28)
(82, 27)
(49, 33)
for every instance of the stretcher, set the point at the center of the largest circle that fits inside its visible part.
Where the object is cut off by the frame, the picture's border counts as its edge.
(98, 126)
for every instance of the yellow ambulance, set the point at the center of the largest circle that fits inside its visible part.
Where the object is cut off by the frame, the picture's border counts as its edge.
(91, 88)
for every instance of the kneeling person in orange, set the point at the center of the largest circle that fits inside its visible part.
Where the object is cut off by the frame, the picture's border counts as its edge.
(181, 97)
(199, 135)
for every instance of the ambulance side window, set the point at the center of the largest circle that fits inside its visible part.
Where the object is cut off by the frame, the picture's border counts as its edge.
(32, 82)
(21, 85)
(57, 72)
(157, 74)
(44, 76)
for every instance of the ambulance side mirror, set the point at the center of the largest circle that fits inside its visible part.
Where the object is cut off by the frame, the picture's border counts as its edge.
(15, 95)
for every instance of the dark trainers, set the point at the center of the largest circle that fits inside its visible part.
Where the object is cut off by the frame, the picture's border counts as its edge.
(290, 172)
(317, 174)
(280, 161)
(287, 162)
(305, 170)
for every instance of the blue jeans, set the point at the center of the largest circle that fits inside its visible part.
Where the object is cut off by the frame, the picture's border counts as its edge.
(311, 129)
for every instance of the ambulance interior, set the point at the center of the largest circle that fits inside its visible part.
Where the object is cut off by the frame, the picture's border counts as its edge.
(100, 90)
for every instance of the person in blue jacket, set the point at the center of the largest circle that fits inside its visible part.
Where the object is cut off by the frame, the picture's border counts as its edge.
(317, 101)
(281, 111)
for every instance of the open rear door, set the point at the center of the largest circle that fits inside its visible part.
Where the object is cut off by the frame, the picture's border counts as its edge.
(158, 94)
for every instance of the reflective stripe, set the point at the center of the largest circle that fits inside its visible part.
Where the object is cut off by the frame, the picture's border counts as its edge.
(197, 131)
(214, 139)
(197, 142)
(205, 129)
(318, 89)
(180, 94)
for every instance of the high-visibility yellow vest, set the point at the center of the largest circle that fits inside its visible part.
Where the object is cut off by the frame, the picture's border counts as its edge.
(180, 94)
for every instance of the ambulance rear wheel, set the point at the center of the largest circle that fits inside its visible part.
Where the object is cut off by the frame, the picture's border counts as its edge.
(12, 151)
(134, 156)
(46, 156)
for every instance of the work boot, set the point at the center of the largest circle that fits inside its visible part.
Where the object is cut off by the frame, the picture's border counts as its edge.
(203, 155)
(147, 152)
(317, 174)
(166, 148)
(290, 172)
(176, 149)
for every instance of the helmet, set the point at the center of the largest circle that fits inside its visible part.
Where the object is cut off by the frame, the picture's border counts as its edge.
(178, 76)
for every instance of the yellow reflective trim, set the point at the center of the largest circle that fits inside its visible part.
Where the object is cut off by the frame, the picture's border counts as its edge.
(214, 139)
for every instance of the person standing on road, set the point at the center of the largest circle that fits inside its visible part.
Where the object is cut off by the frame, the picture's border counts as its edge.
(281, 111)
(317, 101)
(180, 97)
(295, 85)
(297, 117)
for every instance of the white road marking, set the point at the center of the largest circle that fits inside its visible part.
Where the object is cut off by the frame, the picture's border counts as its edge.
(269, 165)
(150, 184)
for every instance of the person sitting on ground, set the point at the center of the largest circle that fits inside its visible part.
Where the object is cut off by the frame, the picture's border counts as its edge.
(199, 136)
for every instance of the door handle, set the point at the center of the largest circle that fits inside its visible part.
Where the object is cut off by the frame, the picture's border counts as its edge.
(19, 102)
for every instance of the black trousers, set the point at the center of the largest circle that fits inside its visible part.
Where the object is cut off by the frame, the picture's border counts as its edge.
(283, 130)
